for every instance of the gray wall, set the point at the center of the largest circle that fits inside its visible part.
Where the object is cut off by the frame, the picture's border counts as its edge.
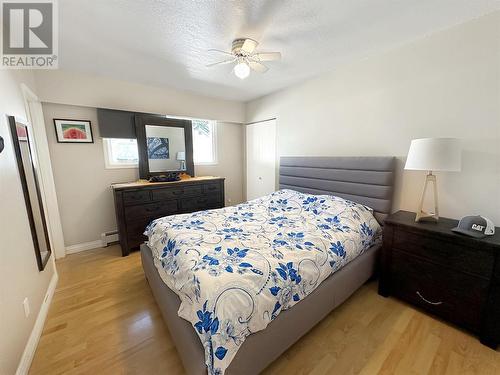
(83, 184)
(444, 85)
(19, 275)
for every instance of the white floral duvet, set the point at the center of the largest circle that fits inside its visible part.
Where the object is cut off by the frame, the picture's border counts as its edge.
(236, 268)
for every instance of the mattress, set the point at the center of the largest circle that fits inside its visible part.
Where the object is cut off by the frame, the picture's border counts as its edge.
(237, 269)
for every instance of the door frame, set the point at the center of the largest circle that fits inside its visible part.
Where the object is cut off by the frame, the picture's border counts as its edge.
(42, 157)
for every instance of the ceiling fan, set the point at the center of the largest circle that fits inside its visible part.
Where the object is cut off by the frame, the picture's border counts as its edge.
(245, 57)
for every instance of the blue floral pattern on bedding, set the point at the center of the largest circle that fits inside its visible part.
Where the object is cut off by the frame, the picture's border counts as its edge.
(236, 268)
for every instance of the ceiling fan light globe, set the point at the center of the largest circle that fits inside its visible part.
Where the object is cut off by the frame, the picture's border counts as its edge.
(242, 70)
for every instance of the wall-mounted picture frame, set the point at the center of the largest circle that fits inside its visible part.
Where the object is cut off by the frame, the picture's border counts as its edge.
(73, 131)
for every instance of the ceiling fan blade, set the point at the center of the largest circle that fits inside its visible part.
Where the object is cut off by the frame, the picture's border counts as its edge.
(257, 66)
(267, 56)
(229, 61)
(220, 51)
(249, 46)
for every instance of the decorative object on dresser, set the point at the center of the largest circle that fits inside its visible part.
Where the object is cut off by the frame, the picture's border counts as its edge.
(138, 203)
(453, 276)
(433, 154)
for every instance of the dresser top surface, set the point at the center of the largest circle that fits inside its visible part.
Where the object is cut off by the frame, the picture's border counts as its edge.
(145, 183)
(443, 226)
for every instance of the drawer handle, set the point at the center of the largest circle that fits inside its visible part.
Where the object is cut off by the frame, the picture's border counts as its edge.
(152, 209)
(178, 192)
(427, 301)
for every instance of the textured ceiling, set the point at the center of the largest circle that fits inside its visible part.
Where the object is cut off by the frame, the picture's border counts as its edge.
(165, 42)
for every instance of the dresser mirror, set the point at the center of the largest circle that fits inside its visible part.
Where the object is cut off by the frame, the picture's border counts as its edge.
(165, 145)
(29, 174)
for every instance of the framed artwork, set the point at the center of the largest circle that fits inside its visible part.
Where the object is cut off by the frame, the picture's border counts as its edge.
(158, 148)
(73, 131)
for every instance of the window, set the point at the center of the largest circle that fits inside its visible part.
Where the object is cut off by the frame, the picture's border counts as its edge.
(204, 142)
(120, 153)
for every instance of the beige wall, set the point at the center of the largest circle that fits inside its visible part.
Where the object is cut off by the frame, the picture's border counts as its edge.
(83, 184)
(19, 275)
(444, 85)
(56, 86)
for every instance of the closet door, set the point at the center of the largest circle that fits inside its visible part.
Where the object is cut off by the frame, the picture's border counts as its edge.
(261, 158)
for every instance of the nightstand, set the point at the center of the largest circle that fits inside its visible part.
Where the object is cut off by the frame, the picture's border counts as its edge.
(450, 275)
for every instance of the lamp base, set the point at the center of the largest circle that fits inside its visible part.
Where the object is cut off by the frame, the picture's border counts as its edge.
(428, 216)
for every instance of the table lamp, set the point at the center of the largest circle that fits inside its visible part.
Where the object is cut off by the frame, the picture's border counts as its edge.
(181, 156)
(433, 155)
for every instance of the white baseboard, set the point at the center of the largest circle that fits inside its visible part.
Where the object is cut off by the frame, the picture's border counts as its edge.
(105, 240)
(83, 246)
(29, 350)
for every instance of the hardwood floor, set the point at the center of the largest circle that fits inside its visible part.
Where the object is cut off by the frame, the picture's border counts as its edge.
(104, 320)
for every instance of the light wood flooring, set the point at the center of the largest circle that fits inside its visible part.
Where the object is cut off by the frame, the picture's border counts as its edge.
(103, 320)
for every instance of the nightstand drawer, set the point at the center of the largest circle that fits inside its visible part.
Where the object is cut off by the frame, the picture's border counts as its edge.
(452, 295)
(447, 253)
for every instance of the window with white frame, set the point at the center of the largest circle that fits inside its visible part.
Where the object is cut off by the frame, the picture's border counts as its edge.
(120, 153)
(123, 153)
(204, 142)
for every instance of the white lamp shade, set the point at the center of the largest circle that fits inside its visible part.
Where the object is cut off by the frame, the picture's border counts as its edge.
(181, 155)
(435, 154)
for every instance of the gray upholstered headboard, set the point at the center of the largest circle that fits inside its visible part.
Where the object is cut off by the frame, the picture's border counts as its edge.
(366, 180)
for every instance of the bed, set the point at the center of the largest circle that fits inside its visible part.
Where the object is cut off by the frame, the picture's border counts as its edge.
(364, 180)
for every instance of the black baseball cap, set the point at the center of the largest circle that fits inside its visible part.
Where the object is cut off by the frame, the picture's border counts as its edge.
(475, 226)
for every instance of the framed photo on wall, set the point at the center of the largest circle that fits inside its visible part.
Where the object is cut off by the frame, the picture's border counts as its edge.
(73, 131)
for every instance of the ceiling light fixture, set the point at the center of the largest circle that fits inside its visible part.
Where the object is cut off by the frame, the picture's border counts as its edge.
(242, 70)
(246, 58)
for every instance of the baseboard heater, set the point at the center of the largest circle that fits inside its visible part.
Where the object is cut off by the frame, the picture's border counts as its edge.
(109, 238)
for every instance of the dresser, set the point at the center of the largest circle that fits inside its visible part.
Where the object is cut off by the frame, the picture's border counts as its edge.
(450, 275)
(138, 203)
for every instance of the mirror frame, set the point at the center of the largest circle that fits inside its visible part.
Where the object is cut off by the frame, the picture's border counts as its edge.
(42, 262)
(140, 128)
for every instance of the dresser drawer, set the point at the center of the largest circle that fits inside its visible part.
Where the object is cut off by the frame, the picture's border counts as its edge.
(136, 196)
(135, 228)
(213, 188)
(177, 192)
(452, 295)
(200, 203)
(152, 210)
(440, 251)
